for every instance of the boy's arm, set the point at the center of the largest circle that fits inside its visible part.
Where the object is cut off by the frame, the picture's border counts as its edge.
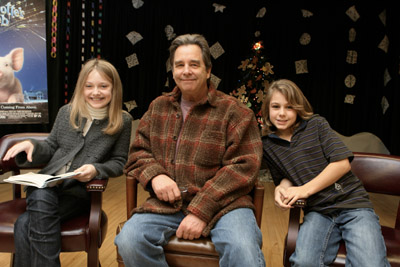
(333, 172)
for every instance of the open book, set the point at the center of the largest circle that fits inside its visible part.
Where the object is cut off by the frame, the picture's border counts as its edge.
(38, 180)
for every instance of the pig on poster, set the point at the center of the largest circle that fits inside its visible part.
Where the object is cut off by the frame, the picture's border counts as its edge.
(23, 70)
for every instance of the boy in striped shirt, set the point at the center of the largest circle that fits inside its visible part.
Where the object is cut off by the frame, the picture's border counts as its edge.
(308, 160)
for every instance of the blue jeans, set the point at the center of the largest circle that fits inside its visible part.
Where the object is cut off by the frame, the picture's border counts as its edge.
(319, 236)
(37, 232)
(236, 237)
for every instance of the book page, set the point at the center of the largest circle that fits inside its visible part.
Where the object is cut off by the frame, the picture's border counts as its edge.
(38, 180)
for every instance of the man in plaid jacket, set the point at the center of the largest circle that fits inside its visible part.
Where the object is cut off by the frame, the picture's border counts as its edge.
(198, 152)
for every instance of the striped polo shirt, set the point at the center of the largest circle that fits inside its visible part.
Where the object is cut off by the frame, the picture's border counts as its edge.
(312, 147)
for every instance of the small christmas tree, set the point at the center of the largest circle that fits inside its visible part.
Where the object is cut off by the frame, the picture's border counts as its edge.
(256, 76)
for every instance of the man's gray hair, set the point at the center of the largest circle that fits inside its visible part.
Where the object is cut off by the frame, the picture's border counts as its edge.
(191, 39)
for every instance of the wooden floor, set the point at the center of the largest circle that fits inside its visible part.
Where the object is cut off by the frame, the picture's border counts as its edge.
(274, 224)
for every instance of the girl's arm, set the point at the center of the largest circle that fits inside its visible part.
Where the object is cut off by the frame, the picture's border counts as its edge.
(333, 172)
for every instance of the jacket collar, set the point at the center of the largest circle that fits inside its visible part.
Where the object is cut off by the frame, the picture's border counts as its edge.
(175, 95)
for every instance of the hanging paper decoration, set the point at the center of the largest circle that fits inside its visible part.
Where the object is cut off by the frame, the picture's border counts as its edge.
(384, 104)
(53, 52)
(137, 3)
(215, 80)
(386, 77)
(92, 26)
(352, 13)
(130, 105)
(134, 37)
(99, 28)
(219, 8)
(169, 32)
(305, 39)
(352, 35)
(349, 99)
(216, 50)
(382, 17)
(168, 66)
(351, 57)
(67, 45)
(261, 12)
(132, 60)
(83, 32)
(306, 13)
(350, 81)
(301, 66)
(384, 44)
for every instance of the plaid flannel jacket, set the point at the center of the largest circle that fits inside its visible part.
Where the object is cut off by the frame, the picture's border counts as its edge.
(218, 157)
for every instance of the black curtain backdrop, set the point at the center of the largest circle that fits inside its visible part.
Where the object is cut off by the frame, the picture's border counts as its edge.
(281, 28)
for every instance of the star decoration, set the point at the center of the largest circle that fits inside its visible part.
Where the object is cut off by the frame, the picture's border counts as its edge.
(219, 8)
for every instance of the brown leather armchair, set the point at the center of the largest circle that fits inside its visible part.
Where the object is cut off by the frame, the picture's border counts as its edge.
(380, 173)
(83, 233)
(179, 252)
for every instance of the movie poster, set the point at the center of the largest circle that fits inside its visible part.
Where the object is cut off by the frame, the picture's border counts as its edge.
(23, 70)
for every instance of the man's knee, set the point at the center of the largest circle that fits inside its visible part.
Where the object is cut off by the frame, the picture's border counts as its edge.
(130, 236)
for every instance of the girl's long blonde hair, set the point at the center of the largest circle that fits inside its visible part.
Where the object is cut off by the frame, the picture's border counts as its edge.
(294, 97)
(78, 103)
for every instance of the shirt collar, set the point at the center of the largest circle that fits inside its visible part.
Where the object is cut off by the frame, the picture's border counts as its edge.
(302, 125)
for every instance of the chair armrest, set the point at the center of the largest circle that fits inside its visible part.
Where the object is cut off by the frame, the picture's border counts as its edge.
(258, 201)
(7, 141)
(131, 195)
(97, 185)
(293, 230)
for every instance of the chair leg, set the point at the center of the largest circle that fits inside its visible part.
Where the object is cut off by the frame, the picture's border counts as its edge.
(120, 260)
(12, 259)
(93, 258)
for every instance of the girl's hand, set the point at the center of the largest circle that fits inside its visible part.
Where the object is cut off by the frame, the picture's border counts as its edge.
(26, 146)
(85, 173)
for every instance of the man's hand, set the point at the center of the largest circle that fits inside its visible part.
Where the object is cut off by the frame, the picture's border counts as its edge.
(191, 227)
(165, 188)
